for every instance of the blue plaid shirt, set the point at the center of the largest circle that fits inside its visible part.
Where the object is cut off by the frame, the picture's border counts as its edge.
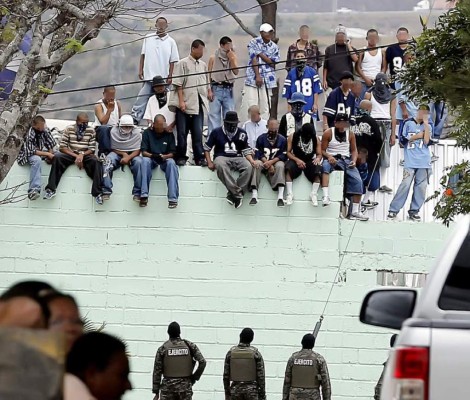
(267, 72)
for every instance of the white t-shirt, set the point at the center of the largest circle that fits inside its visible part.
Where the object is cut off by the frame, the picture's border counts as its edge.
(75, 389)
(159, 53)
(153, 109)
(255, 130)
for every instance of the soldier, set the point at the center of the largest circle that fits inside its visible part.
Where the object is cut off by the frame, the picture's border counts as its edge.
(175, 360)
(306, 371)
(244, 367)
(378, 387)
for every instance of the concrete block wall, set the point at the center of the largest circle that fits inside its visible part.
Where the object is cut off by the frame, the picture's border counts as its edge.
(215, 270)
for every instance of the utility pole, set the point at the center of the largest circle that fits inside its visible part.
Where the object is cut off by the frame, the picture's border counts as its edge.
(335, 6)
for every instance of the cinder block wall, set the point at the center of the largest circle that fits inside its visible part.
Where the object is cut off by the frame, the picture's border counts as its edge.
(215, 270)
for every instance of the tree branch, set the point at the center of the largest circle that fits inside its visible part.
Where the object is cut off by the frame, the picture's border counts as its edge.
(222, 4)
(68, 8)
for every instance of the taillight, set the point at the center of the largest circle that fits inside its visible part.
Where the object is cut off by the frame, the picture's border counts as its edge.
(411, 373)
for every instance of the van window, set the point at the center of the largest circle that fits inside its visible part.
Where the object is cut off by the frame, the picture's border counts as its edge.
(456, 292)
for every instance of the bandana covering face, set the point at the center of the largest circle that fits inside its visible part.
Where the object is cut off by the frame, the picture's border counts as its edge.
(381, 91)
(297, 109)
(363, 112)
(162, 99)
(80, 131)
(230, 129)
(272, 135)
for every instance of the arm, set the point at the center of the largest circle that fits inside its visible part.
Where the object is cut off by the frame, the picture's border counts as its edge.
(64, 144)
(318, 152)
(283, 126)
(325, 140)
(171, 148)
(127, 158)
(182, 104)
(201, 362)
(325, 380)
(170, 73)
(404, 110)
(119, 108)
(287, 380)
(104, 117)
(384, 63)
(210, 67)
(352, 53)
(260, 376)
(141, 67)
(290, 153)
(315, 102)
(157, 372)
(232, 57)
(352, 144)
(226, 377)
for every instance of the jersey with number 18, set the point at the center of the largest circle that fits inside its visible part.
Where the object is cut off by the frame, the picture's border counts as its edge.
(307, 83)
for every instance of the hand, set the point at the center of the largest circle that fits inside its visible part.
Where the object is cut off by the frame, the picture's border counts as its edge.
(79, 161)
(271, 170)
(301, 164)
(325, 85)
(352, 164)
(332, 160)
(314, 109)
(50, 156)
(368, 81)
(317, 161)
(211, 166)
(254, 164)
(158, 158)
(110, 105)
(259, 81)
(141, 76)
(267, 165)
(392, 140)
(169, 80)
(125, 160)
(210, 95)
(182, 106)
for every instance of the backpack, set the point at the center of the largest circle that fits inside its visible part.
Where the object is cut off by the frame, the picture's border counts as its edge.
(401, 139)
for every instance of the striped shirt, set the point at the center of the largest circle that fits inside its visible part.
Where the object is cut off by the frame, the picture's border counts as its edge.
(69, 140)
(35, 141)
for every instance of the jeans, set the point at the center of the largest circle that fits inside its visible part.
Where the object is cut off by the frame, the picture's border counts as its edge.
(223, 102)
(186, 123)
(103, 137)
(421, 179)
(35, 174)
(113, 162)
(138, 109)
(439, 114)
(144, 176)
(354, 183)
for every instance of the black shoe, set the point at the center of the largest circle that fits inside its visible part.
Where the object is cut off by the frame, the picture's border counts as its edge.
(181, 162)
(230, 199)
(202, 163)
(281, 203)
(253, 201)
(238, 202)
(414, 217)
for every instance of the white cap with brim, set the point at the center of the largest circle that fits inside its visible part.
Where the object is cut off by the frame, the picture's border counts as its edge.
(266, 28)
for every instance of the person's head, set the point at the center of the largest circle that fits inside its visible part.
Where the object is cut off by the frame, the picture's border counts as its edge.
(403, 35)
(226, 43)
(162, 25)
(341, 122)
(39, 123)
(307, 132)
(381, 79)
(65, 317)
(197, 49)
(297, 103)
(304, 32)
(300, 60)
(109, 93)
(100, 361)
(231, 122)
(23, 305)
(308, 341)
(423, 113)
(341, 36)
(356, 88)
(366, 106)
(346, 80)
(273, 128)
(267, 32)
(393, 339)
(247, 335)
(372, 37)
(126, 124)
(254, 113)
(82, 120)
(174, 330)
(159, 85)
(362, 156)
(159, 123)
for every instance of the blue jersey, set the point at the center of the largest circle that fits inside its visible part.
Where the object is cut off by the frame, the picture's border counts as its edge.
(237, 146)
(338, 103)
(308, 84)
(417, 154)
(265, 149)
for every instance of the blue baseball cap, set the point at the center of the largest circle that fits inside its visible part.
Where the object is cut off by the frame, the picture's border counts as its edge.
(297, 97)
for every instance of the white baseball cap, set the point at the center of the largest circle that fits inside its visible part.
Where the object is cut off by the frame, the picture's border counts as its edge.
(266, 28)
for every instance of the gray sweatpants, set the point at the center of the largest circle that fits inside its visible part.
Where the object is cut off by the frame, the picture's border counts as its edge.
(275, 180)
(224, 166)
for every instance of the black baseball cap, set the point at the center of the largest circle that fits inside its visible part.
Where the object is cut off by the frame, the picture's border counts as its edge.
(346, 75)
(341, 117)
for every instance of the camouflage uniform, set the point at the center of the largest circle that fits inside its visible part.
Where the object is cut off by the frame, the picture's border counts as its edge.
(291, 393)
(378, 387)
(246, 390)
(176, 388)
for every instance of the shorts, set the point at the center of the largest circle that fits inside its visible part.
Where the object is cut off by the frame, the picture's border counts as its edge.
(311, 171)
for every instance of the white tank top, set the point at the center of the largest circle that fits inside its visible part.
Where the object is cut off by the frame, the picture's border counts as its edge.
(379, 111)
(335, 147)
(113, 118)
(372, 65)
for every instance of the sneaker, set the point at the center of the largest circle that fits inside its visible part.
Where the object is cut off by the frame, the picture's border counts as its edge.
(358, 216)
(230, 199)
(106, 196)
(34, 195)
(99, 200)
(314, 199)
(172, 204)
(326, 201)
(290, 199)
(136, 198)
(402, 163)
(414, 217)
(385, 189)
(253, 201)
(49, 194)
(143, 201)
(391, 216)
(369, 204)
(281, 203)
(434, 158)
(238, 202)
(181, 162)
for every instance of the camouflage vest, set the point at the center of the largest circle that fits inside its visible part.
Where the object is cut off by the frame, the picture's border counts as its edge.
(305, 372)
(242, 364)
(293, 125)
(177, 362)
